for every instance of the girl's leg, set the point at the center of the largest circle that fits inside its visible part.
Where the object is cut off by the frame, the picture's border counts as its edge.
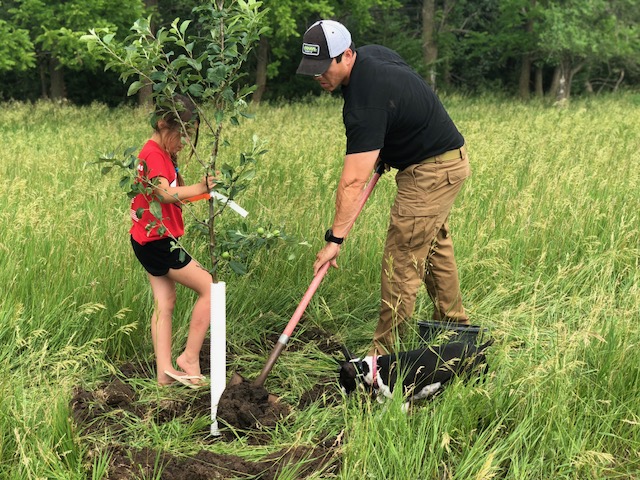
(197, 279)
(164, 294)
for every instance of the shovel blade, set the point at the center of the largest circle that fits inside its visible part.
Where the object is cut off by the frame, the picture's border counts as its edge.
(237, 379)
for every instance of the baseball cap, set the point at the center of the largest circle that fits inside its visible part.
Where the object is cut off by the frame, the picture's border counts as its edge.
(323, 41)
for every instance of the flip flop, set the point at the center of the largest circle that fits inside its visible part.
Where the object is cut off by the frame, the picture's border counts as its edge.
(186, 379)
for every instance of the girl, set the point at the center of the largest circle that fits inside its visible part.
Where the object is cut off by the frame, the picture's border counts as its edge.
(152, 240)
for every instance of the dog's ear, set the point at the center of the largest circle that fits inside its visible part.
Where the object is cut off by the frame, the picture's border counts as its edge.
(348, 356)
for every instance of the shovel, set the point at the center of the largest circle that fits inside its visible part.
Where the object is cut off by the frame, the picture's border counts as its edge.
(295, 318)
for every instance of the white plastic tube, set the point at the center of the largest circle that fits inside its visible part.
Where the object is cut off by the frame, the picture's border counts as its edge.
(233, 205)
(218, 355)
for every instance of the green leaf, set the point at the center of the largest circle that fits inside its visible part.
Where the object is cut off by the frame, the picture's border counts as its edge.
(134, 87)
(195, 64)
(130, 151)
(155, 208)
(139, 213)
(238, 267)
(183, 26)
(196, 90)
(247, 175)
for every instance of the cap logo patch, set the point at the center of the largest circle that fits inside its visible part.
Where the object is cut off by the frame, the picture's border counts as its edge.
(310, 49)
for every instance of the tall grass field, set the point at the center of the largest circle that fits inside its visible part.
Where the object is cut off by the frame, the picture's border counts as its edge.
(547, 237)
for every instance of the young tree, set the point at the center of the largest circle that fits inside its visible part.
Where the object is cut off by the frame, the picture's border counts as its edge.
(203, 59)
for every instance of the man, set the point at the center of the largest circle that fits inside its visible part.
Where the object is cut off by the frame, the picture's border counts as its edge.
(392, 116)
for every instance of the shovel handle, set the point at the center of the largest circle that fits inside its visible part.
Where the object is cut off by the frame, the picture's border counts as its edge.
(295, 318)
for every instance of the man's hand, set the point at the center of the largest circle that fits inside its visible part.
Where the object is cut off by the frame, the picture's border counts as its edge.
(328, 254)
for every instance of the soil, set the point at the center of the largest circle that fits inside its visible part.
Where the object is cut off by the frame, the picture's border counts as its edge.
(246, 406)
(106, 411)
(127, 463)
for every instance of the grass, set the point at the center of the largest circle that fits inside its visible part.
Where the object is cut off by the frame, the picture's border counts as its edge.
(547, 244)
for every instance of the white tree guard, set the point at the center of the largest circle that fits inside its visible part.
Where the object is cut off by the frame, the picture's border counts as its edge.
(218, 336)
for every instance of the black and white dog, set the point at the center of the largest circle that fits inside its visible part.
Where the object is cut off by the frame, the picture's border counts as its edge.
(423, 372)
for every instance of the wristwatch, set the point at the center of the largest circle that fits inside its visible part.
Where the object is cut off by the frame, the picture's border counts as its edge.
(328, 237)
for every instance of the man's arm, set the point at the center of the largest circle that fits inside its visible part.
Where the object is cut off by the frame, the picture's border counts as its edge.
(356, 171)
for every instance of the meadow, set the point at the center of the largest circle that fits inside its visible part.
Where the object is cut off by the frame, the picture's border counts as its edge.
(547, 242)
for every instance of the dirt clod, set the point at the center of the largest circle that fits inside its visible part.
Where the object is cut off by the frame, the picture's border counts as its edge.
(246, 406)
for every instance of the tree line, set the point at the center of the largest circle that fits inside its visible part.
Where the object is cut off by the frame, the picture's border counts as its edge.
(525, 48)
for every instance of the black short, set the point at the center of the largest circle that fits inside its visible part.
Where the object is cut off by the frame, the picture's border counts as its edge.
(157, 257)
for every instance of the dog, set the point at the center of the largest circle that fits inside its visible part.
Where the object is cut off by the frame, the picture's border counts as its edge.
(422, 372)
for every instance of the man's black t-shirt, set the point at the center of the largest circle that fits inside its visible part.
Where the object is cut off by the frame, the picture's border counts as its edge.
(388, 106)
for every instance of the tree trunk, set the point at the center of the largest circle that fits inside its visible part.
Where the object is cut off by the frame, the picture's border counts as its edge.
(572, 70)
(561, 93)
(58, 87)
(620, 78)
(525, 77)
(588, 87)
(565, 78)
(429, 46)
(144, 96)
(555, 83)
(261, 69)
(43, 67)
(524, 85)
(538, 82)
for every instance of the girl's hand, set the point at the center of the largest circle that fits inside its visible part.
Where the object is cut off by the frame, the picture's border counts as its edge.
(208, 182)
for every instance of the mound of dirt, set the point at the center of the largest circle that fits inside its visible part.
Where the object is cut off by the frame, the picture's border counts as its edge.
(245, 406)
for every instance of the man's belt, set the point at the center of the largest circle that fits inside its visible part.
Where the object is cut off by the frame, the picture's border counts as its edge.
(447, 156)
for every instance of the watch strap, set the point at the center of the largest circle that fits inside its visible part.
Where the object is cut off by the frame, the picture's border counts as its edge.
(329, 237)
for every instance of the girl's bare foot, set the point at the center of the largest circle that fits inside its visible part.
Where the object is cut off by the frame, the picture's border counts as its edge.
(191, 368)
(164, 379)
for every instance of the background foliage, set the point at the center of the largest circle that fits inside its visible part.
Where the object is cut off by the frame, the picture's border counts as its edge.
(519, 47)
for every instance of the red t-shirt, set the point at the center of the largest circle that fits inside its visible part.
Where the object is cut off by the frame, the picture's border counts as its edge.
(157, 163)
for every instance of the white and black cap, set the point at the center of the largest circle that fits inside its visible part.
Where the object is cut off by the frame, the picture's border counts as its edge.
(322, 42)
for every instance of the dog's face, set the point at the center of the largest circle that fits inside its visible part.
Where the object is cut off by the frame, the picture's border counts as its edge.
(352, 372)
(347, 377)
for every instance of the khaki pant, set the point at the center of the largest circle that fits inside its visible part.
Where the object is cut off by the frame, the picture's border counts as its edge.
(419, 247)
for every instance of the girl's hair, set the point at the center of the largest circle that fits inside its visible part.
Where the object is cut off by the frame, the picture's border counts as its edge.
(177, 111)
